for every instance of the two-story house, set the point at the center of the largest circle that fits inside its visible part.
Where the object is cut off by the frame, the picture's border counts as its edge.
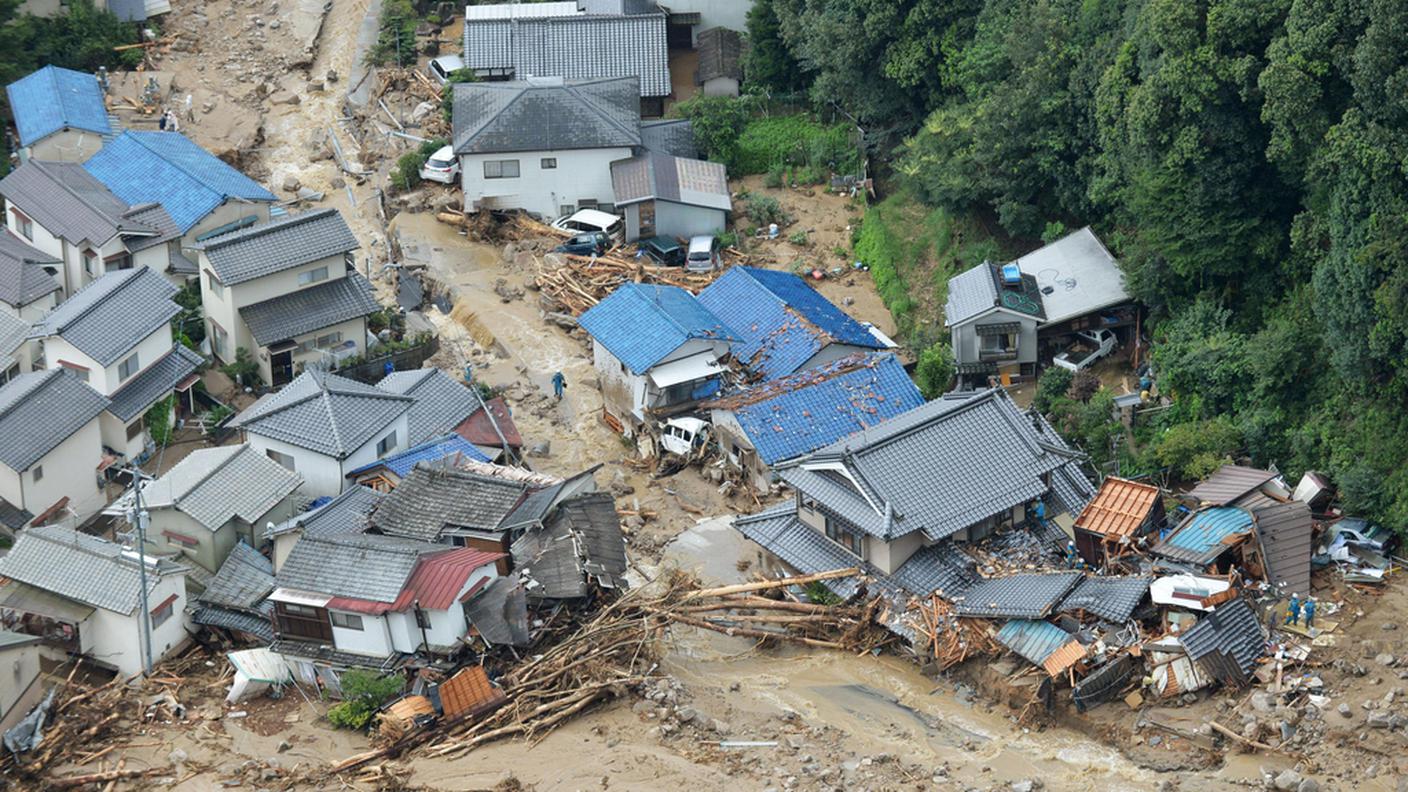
(363, 600)
(543, 145)
(323, 427)
(59, 114)
(202, 194)
(82, 596)
(894, 497)
(27, 291)
(215, 498)
(657, 350)
(50, 449)
(783, 325)
(1005, 319)
(115, 335)
(62, 210)
(287, 292)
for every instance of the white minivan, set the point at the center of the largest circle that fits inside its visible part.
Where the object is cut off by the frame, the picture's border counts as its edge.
(705, 255)
(587, 221)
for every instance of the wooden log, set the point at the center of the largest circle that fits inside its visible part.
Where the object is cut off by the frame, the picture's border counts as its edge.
(763, 585)
(70, 782)
(752, 633)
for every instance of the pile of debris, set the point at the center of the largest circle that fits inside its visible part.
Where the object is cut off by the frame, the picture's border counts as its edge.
(573, 283)
(617, 651)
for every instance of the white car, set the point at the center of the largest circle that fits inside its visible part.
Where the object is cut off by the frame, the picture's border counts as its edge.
(442, 67)
(442, 166)
(704, 254)
(587, 221)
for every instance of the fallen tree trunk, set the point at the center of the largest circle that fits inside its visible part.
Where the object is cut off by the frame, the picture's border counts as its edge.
(763, 585)
(70, 782)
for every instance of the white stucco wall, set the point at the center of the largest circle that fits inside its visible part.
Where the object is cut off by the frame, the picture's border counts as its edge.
(373, 639)
(19, 671)
(70, 470)
(323, 475)
(225, 213)
(114, 639)
(66, 145)
(581, 174)
(732, 14)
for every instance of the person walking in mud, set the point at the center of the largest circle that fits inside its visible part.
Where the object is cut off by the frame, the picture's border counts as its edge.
(559, 384)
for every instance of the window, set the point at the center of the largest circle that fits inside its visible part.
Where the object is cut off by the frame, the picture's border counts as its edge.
(347, 621)
(164, 611)
(312, 276)
(219, 340)
(127, 368)
(298, 610)
(283, 459)
(549, 163)
(38, 473)
(122, 261)
(386, 445)
(90, 263)
(213, 285)
(840, 535)
(566, 209)
(329, 340)
(23, 224)
(501, 169)
(134, 429)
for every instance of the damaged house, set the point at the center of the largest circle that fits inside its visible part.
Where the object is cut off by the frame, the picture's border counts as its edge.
(237, 598)
(894, 498)
(658, 352)
(1119, 515)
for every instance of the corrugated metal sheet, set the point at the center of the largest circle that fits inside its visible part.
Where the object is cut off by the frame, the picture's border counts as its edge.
(1119, 509)
(1032, 639)
(1205, 535)
(1285, 532)
(468, 690)
(1229, 483)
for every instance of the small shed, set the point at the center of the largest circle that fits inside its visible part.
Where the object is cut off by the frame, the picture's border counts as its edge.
(720, 62)
(663, 195)
(1120, 513)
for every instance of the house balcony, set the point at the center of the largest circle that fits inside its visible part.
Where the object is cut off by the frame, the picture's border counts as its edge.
(992, 355)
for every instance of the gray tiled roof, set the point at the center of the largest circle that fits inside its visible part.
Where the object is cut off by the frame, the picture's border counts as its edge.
(278, 245)
(256, 624)
(13, 332)
(673, 136)
(313, 308)
(981, 456)
(1021, 596)
(778, 531)
(70, 202)
(575, 48)
(244, 580)
(940, 567)
(357, 566)
(495, 117)
(970, 293)
(835, 496)
(109, 317)
(348, 513)
(1228, 483)
(661, 176)
(1285, 531)
(720, 54)
(1110, 598)
(215, 485)
(441, 403)
(1227, 642)
(325, 413)
(41, 409)
(432, 500)
(581, 541)
(12, 516)
(154, 382)
(23, 278)
(154, 216)
(80, 567)
(500, 613)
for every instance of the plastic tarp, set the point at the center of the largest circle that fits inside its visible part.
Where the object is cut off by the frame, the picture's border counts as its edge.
(28, 734)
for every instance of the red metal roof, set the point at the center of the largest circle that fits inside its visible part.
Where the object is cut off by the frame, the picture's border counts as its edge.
(478, 430)
(1119, 508)
(438, 578)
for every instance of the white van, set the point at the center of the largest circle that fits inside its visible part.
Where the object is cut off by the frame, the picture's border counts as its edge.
(442, 67)
(586, 221)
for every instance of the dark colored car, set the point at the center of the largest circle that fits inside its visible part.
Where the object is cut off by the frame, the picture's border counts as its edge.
(664, 251)
(584, 244)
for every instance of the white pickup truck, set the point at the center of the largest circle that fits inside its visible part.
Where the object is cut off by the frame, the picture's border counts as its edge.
(1090, 346)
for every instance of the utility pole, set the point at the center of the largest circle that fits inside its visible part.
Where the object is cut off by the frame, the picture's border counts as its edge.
(483, 405)
(137, 516)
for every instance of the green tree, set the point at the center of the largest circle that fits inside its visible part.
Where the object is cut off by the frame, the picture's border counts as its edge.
(363, 693)
(934, 371)
(718, 121)
(767, 63)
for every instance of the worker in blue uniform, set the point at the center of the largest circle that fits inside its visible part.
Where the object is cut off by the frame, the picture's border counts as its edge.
(1293, 609)
(1309, 612)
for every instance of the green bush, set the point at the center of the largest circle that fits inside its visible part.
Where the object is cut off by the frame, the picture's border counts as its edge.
(406, 174)
(774, 177)
(363, 693)
(717, 122)
(797, 140)
(798, 238)
(244, 369)
(396, 43)
(1053, 384)
(764, 210)
(158, 421)
(728, 239)
(935, 370)
(447, 92)
(1194, 449)
(818, 593)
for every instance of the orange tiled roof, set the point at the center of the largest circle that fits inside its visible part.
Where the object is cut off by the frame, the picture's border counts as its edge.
(1119, 508)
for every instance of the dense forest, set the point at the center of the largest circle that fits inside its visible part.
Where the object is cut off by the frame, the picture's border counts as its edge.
(1245, 159)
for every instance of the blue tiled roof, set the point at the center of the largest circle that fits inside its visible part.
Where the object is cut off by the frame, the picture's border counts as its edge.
(792, 416)
(429, 451)
(1200, 538)
(641, 324)
(1034, 640)
(167, 168)
(52, 98)
(781, 320)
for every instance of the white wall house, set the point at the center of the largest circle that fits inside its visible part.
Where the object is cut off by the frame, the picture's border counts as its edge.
(323, 426)
(287, 292)
(82, 595)
(60, 209)
(215, 498)
(656, 350)
(20, 688)
(50, 449)
(115, 335)
(543, 145)
(414, 602)
(667, 196)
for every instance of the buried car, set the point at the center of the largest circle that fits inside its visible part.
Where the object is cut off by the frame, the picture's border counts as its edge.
(584, 244)
(442, 166)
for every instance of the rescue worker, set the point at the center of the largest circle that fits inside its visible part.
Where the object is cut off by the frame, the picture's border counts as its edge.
(1293, 609)
(1072, 557)
(559, 384)
(1309, 612)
